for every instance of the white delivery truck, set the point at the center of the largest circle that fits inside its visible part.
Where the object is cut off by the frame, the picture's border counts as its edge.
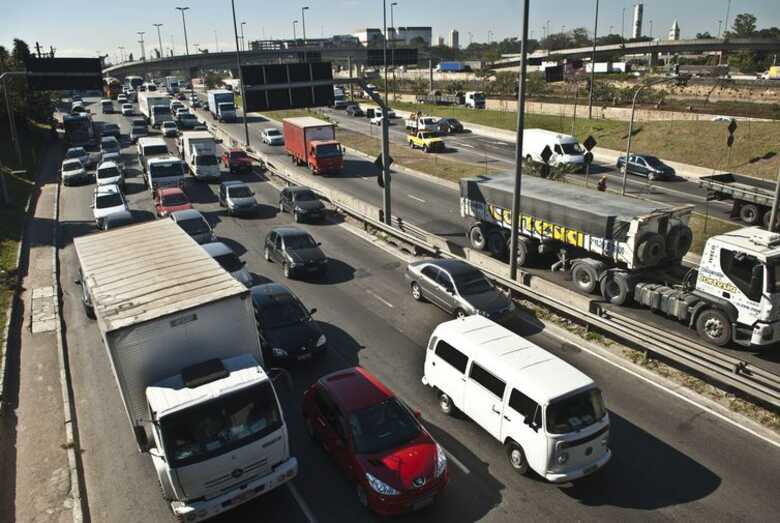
(155, 107)
(475, 99)
(222, 105)
(172, 84)
(183, 345)
(164, 171)
(566, 150)
(199, 151)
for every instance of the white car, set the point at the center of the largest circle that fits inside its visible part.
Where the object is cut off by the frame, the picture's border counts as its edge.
(376, 120)
(180, 111)
(110, 173)
(272, 136)
(127, 110)
(169, 129)
(78, 153)
(121, 98)
(73, 172)
(107, 200)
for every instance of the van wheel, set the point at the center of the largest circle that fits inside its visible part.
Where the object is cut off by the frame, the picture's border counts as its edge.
(516, 457)
(416, 292)
(460, 313)
(446, 405)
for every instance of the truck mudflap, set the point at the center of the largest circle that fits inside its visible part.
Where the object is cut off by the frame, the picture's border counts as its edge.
(205, 509)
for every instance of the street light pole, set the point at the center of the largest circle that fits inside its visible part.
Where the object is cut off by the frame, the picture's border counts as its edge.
(141, 41)
(243, 42)
(513, 241)
(240, 76)
(122, 52)
(159, 38)
(295, 38)
(184, 23)
(387, 207)
(593, 62)
(303, 27)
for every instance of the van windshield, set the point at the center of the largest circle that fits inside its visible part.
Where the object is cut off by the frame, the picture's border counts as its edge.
(571, 148)
(213, 428)
(575, 412)
(151, 150)
(166, 169)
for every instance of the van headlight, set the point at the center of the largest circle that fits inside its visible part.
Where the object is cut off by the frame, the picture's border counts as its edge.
(380, 487)
(563, 457)
(441, 460)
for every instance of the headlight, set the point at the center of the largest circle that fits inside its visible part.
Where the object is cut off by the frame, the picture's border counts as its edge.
(279, 353)
(563, 457)
(441, 460)
(322, 340)
(380, 486)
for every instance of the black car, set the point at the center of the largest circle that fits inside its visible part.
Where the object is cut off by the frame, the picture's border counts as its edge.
(302, 203)
(288, 333)
(449, 125)
(296, 250)
(648, 166)
(110, 129)
(354, 110)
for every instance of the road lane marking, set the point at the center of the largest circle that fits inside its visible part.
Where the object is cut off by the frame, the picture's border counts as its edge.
(301, 503)
(375, 295)
(413, 197)
(464, 145)
(457, 462)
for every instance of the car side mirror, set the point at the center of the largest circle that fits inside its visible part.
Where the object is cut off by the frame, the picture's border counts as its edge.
(319, 244)
(157, 453)
(313, 311)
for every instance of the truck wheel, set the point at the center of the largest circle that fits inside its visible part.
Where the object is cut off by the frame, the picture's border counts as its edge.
(651, 249)
(522, 250)
(749, 213)
(714, 326)
(615, 289)
(477, 238)
(765, 219)
(516, 457)
(678, 241)
(585, 277)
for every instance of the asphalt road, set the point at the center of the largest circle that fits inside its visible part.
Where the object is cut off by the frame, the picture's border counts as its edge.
(671, 460)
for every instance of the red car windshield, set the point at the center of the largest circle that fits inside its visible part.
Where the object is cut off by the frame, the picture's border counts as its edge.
(172, 200)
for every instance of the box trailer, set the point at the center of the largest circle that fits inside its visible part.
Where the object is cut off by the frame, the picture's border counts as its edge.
(312, 142)
(752, 198)
(199, 151)
(181, 337)
(155, 107)
(222, 105)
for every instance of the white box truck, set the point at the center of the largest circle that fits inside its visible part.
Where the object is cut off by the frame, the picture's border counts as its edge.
(155, 107)
(222, 105)
(172, 84)
(199, 151)
(183, 345)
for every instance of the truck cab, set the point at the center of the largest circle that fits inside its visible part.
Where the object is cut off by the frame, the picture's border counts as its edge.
(325, 157)
(204, 163)
(475, 99)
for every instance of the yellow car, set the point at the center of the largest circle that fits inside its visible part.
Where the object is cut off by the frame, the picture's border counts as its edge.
(427, 141)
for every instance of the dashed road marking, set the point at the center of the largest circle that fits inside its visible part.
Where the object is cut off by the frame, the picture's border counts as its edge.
(301, 502)
(375, 295)
(457, 462)
(413, 197)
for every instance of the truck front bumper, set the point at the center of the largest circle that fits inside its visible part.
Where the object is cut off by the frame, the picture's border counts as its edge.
(200, 510)
(765, 333)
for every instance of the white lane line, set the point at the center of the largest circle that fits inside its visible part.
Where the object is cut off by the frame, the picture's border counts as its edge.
(301, 503)
(375, 295)
(413, 197)
(464, 145)
(457, 462)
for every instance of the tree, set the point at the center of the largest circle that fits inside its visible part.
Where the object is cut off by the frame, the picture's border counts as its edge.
(611, 39)
(744, 25)
(704, 36)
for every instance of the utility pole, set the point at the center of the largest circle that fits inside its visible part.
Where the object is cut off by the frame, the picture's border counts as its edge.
(775, 205)
(141, 41)
(519, 149)
(623, 26)
(392, 43)
(11, 120)
(386, 131)
(726, 21)
(243, 42)
(216, 42)
(295, 37)
(159, 38)
(240, 76)
(184, 23)
(593, 62)
(430, 76)
(122, 52)
(38, 49)
(303, 24)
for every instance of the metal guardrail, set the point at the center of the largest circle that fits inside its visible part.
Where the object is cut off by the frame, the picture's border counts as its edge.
(722, 368)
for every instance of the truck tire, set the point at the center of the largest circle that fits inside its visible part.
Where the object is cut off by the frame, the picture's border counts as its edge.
(477, 237)
(714, 326)
(615, 288)
(585, 277)
(650, 249)
(678, 241)
(523, 248)
(749, 213)
(766, 217)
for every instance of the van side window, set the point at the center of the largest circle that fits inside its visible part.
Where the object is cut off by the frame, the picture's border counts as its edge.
(452, 356)
(524, 406)
(487, 380)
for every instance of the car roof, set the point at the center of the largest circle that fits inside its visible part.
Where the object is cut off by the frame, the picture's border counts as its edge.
(110, 188)
(262, 294)
(166, 191)
(355, 389)
(454, 267)
(217, 249)
(233, 183)
(109, 139)
(107, 165)
(289, 231)
(186, 214)
(69, 161)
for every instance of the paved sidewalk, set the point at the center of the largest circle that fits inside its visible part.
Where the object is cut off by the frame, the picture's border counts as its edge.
(42, 483)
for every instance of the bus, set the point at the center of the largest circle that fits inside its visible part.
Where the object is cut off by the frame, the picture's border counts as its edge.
(134, 82)
(79, 130)
(111, 88)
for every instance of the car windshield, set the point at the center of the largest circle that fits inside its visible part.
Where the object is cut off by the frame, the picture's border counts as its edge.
(206, 159)
(229, 262)
(304, 196)
(171, 200)
(571, 148)
(71, 166)
(109, 147)
(220, 425)
(194, 225)
(151, 150)
(299, 241)
(169, 125)
(137, 127)
(166, 169)
(187, 116)
(240, 192)
(104, 201)
(75, 153)
(282, 310)
(328, 150)
(472, 283)
(107, 172)
(273, 132)
(575, 412)
(382, 427)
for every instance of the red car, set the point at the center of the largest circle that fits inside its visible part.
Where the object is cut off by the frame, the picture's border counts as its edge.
(170, 200)
(237, 161)
(376, 440)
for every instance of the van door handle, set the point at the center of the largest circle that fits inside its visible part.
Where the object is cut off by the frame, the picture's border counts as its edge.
(494, 409)
(433, 364)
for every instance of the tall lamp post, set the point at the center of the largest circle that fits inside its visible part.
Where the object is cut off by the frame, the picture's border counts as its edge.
(141, 41)
(303, 27)
(593, 62)
(184, 23)
(243, 42)
(295, 37)
(122, 52)
(240, 75)
(392, 43)
(159, 38)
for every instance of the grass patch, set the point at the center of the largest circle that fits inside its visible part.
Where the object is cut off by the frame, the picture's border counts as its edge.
(702, 228)
(756, 150)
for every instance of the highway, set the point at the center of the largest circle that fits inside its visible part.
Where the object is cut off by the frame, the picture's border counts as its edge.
(672, 460)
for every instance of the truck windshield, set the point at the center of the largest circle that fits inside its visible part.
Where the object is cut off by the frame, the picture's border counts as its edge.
(206, 159)
(576, 412)
(163, 170)
(773, 281)
(227, 107)
(151, 150)
(211, 429)
(571, 148)
(328, 150)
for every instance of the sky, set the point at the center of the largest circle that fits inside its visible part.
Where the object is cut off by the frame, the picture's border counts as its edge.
(84, 28)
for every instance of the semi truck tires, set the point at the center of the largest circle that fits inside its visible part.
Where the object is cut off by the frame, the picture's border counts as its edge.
(496, 244)
(585, 277)
(651, 249)
(477, 237)
(749, 213)
(678, 241)
(714, 326)
(616, 288)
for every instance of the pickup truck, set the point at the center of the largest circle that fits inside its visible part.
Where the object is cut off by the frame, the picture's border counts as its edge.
(427, 141)
(751, 198)
(237, 161)
(422, 123)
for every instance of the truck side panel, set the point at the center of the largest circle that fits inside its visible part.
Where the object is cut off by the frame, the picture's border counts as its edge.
(294, 141)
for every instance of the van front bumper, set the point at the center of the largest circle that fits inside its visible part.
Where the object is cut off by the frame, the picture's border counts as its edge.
(571, 475)
(200, 510)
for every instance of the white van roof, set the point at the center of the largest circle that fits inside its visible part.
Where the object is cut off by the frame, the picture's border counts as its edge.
(151, 140)
(516, 360)
(559, 137)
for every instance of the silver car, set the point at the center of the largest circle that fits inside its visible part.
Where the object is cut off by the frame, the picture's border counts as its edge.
(458, 288)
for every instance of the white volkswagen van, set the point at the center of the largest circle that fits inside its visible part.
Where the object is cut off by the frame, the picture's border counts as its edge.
(549, 416)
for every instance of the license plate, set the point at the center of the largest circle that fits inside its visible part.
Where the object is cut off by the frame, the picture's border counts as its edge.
(304, 357)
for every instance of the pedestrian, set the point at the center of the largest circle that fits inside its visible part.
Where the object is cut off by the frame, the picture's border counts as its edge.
(602, 185)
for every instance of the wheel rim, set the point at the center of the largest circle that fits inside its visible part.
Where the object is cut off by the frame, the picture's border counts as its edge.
(444, 403)
(713, 327)
(583, 278)
(516, 458)
(460, 314)
(613, 289)
(415, 291)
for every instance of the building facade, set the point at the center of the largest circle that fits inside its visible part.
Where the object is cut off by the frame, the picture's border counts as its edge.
(407, 34)
(368, 35)
(454, 39)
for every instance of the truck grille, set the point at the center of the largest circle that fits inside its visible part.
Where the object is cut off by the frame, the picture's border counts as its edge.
(229, 480)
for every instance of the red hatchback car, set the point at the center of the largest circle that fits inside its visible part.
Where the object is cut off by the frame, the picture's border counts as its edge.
(377, 440)
(170, 200)
(237, 161)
